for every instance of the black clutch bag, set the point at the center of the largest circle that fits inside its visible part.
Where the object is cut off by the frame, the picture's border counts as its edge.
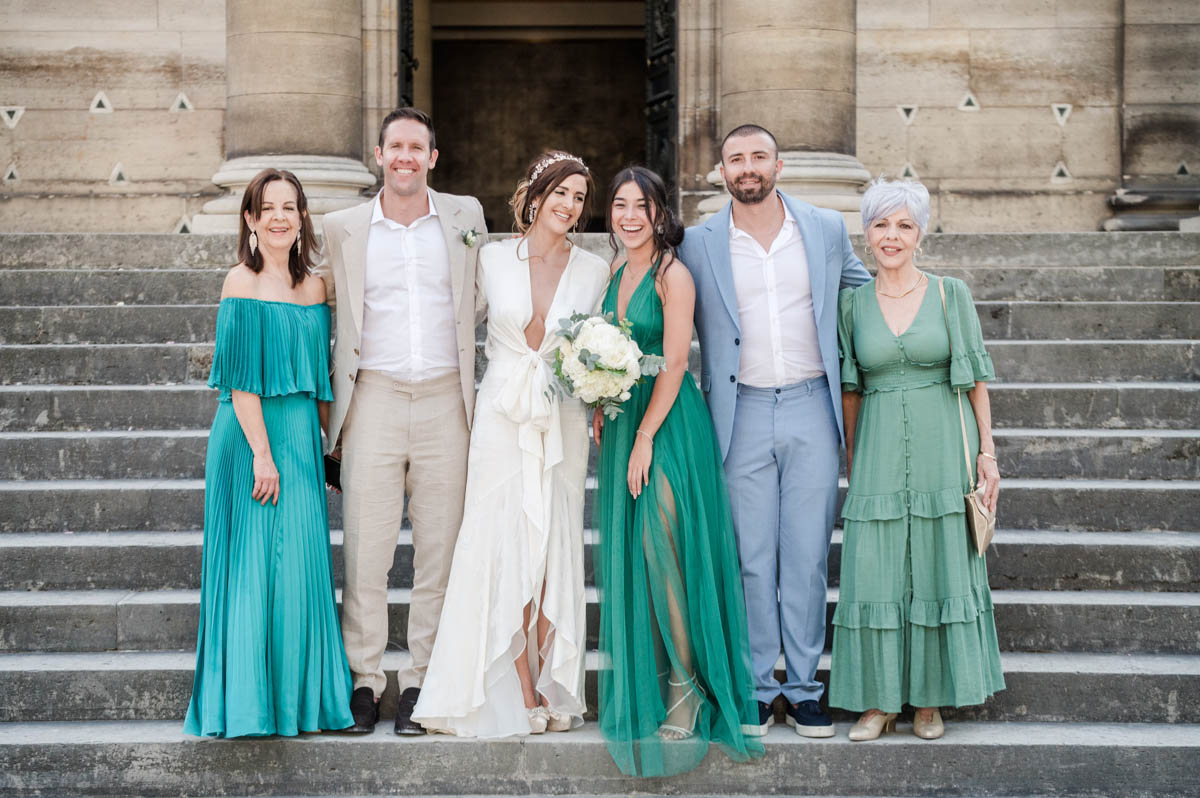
(333, 473)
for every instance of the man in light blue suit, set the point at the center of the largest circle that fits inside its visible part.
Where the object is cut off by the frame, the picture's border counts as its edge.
(768, 269)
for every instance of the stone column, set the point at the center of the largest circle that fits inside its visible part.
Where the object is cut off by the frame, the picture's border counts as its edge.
(422, 27)
(293, 77)
(789, 65)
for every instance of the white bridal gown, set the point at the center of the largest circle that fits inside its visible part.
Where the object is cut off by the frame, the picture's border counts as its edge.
(522, 528)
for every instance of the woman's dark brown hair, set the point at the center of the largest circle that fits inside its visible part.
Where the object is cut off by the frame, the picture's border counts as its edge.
(531, 190)
(665, 227)
(300, 259)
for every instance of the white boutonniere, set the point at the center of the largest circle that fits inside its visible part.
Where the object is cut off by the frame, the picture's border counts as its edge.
(470, 237)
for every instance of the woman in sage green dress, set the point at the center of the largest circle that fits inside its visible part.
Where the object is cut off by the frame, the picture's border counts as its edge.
(269, 656)
(673, 640)
(914, 621)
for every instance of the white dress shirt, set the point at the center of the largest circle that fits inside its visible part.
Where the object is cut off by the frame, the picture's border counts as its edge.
(775, 309)
(408, 306)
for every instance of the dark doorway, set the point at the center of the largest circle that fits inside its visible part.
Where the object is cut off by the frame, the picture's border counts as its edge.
(501, 96)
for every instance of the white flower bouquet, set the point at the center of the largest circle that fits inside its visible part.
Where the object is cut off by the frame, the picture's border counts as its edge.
(598, 361)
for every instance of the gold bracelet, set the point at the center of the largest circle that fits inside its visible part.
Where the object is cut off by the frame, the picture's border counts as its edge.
(985, 454)
(647, 434)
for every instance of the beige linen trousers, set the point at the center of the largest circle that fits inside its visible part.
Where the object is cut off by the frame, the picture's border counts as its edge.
(399, 440)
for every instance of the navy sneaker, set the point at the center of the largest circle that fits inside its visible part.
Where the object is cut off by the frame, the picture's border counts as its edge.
(766, 719)
(808, 720)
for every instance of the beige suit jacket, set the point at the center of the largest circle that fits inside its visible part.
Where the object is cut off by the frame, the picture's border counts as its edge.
(343, 267)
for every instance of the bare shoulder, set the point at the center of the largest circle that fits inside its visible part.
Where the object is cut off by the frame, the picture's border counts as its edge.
(312, 290)
(240, 283)
(674, 282)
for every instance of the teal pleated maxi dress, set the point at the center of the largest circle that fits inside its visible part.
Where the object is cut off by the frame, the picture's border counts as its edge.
(670, 552)
(269, 655)
(914, 622)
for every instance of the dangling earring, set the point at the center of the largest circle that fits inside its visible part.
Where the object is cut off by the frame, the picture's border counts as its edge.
(532, 211)
(253, 242)
(659, 229)
(919, 253)
(299, 232)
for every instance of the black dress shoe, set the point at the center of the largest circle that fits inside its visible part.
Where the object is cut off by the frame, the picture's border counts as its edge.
(365, 710)
(404, 723)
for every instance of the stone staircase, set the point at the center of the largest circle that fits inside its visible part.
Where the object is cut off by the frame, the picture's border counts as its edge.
(105, 342)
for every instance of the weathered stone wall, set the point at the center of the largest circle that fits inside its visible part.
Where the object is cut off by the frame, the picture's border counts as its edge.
(93, 87)
(982, 80)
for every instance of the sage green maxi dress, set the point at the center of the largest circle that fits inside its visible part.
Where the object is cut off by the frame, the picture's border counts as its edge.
(269, 655)
(914, 620)
(671, 550)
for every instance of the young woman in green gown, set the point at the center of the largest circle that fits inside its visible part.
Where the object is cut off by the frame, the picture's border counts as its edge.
(269, 655)
(675, 670)
(914, 620)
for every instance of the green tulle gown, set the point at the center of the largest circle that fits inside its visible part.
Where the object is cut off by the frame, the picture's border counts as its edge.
(269, 655)
(668, 560)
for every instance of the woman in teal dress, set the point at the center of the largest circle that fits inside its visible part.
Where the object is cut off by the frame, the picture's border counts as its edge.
(269, 656)
(673, 640)
(914, 620)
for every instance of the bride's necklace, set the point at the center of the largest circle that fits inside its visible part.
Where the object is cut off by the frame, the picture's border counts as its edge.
(916, 284)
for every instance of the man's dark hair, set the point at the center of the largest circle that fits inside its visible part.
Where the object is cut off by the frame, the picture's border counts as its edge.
(415, 114)
(748, 130)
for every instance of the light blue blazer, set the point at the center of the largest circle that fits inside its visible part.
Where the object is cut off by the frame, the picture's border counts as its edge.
(832, 266)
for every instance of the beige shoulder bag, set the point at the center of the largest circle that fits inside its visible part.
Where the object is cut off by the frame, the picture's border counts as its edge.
(981, 522)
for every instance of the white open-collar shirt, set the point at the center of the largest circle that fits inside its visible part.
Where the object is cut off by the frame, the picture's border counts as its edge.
(775, 309)
(408, 306)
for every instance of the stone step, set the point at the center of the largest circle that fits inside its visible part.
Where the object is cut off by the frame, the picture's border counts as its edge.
(113, 407)
(1018, 560)
(970, 250)
(110, 324)
(1079, 284)
(176, 504)
(110, 287)
(194, 323)
(1100, 454)
(156, 685)
(179, 454)
(167, 286)
(128, 454)
(1100, 405)
(1017, 361)
(1088, 320)
(1115, 405)
(1102, 621)
(155, 758)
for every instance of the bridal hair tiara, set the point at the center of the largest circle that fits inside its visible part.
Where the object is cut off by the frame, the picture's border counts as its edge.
(552, 159)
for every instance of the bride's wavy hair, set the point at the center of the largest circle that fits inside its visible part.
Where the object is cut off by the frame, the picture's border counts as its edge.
(551, 168)
(665, 227)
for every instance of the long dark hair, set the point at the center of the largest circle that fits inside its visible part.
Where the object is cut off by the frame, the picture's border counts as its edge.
(665, 226)
(300, 259)
(557, 166)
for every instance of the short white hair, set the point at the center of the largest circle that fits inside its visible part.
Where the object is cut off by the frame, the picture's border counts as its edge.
(884, 197)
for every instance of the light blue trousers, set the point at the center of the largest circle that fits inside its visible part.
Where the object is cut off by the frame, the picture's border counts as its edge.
(782, 473)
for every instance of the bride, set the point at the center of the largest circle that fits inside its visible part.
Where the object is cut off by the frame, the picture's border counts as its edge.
(517, 575)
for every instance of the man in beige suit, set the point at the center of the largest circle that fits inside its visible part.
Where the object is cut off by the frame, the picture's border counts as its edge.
(405, 267)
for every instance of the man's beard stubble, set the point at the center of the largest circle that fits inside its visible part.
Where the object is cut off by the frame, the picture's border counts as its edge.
(753, 196)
